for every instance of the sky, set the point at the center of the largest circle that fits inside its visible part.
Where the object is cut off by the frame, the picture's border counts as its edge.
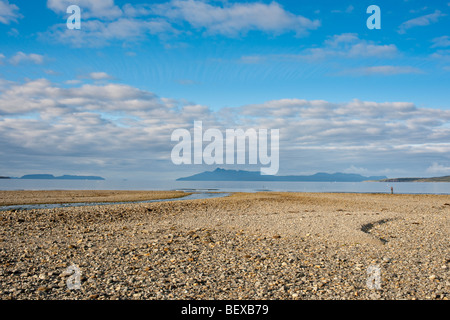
(105, 99)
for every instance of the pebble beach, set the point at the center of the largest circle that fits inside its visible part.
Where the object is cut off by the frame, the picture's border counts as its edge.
(252, 246)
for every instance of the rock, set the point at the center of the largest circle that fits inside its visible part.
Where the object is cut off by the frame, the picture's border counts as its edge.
(251, 265)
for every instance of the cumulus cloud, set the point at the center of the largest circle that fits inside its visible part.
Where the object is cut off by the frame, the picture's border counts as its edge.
(137, 10)
(349, 45)
(38, 117)
(73, 81)
(97, 33)
(237, 18)
(440, 169)
(99, 76)
(355, 169)
(21, 57)
(8, 12)
(52, 72)
(345, 46)
(385, 70)
(113, 124)
(104, 21)
(356, 123)
(421, 21)
(105, 9)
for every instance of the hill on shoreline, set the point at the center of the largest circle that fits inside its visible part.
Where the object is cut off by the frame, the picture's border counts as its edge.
(434, 179)
(242, 175)
(64, 177)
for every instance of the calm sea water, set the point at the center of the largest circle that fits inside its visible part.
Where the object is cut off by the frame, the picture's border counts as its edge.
(228, 186)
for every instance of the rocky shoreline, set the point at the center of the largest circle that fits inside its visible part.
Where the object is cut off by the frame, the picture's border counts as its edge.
(246, 246)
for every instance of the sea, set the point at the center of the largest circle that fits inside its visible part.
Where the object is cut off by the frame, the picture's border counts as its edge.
(228, 186)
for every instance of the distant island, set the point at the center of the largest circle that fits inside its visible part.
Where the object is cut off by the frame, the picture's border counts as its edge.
(435, 179)
(242, 175)
(4, 177)
(64, 177)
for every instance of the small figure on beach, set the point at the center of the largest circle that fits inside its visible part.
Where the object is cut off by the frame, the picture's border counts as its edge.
(392, 190)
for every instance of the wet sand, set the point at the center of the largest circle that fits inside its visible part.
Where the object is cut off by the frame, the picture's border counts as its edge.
(246, 246)
(76, 196)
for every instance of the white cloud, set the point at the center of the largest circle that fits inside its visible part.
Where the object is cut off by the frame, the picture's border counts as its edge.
(421, 21)
(8, 12)
(236, 18)
(346, 45)
(436, 168)
(104, 22)
(418, 10)
(113, 123)
(13, 32)
(96, 33)
(187, 82)
(52, 72)
(100, 76)
(443, 41)
(105, 9)
(386, 70)
(137, 10)
(21, 57)
(339, 39)
(441, 55)
(365, 49)
(350, 45)
(354, 169)
(72, 82)
(349, 9)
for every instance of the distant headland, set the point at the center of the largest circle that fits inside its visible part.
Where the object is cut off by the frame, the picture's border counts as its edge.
(52, 177)
(242, 175)
(435, 179)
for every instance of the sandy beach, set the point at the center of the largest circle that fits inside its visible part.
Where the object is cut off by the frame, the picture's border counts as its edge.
(245, 246)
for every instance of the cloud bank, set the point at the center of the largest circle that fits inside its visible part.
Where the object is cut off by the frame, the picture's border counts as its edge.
(105, 22)
(421, 21)
(8, 12)
(112, 125)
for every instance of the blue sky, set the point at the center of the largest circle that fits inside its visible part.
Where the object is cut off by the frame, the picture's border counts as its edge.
(105, 98)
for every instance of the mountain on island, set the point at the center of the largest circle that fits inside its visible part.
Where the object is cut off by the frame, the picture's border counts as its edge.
(64, 177)
(242, 175)
(434, 179)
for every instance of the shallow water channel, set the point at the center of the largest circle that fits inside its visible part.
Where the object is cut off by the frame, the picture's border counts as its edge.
(193, 196)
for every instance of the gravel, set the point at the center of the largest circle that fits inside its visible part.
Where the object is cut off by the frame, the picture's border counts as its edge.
(246, 246)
